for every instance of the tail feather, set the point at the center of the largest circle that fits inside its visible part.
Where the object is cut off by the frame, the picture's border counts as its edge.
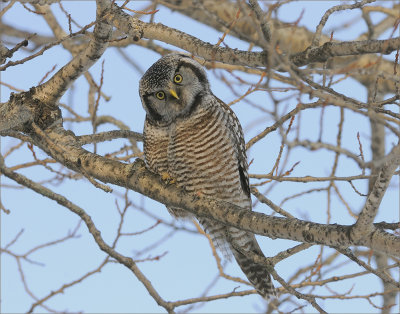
(217, 232)
(230, 240)
(258, 275)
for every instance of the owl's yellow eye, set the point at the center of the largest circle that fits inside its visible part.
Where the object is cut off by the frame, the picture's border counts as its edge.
(160, 95)
(178, 78)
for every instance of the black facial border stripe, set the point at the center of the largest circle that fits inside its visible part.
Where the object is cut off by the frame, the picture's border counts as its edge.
(152, 112)
(197, 100)
(196, 71)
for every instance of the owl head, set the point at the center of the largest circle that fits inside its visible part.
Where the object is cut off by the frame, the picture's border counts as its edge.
(172, 87)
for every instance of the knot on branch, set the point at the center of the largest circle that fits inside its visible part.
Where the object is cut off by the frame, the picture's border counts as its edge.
(137, 31)
(308, 236)
(42, 114)
(320, 54)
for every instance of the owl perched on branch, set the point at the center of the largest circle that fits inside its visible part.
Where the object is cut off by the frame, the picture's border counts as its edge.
(194, 138)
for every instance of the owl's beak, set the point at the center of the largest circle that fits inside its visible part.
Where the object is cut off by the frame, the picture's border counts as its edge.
(173, 93)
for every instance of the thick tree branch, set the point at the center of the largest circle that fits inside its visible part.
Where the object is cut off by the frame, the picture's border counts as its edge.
(340, 49)
(132, 26)
(61, 145)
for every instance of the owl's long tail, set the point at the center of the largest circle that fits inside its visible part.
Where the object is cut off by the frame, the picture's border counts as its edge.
(238, 242)
(257, 274)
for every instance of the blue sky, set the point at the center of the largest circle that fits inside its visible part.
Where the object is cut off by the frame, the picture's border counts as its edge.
(187, 267)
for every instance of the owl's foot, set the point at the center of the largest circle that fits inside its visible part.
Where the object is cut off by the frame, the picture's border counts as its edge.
(166, 177)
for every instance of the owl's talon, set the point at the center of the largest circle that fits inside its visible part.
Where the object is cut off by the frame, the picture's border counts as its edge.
(166, 177)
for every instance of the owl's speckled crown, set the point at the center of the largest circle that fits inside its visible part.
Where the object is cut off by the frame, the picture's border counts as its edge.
(163, 69)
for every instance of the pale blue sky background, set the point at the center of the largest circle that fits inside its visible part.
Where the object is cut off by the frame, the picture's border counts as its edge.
(188, 267)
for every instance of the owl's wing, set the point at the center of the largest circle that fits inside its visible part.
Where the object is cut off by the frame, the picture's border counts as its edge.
(240, 147)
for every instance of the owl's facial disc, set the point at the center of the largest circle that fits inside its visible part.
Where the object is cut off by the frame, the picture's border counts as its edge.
(172, 87)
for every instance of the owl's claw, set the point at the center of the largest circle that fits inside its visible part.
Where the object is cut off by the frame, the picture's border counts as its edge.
(166, 177)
